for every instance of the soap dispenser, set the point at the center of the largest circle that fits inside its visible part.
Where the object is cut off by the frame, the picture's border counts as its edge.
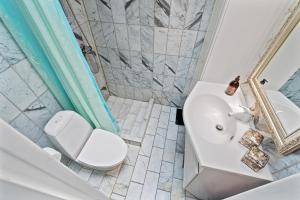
(233, 86)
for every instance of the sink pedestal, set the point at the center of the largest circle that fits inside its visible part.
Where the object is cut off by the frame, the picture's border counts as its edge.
(206, 182)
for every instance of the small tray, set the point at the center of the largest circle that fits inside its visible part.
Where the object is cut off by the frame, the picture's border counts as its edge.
(255, 158)
(251, 138)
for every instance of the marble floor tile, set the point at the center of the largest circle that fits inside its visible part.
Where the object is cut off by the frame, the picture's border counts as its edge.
(140, 169)
(156, 111)
(178, 167)
(160, 138)
(96, 178)
(180, 142)
(123, 180)
(177, 189)
(135, 107)
(152, 125)
(163, 120)
(114, 172)
(138, 130)
(124, 111)
(134, 191)
(117, 197)
(166, 176)
(129, 122)
(162, 195)
(166, 109)
(85, 173)
(107, 185)
(150, 186)
(75, 167)
(173, 114)
(153, 170)
(141, 114)
(132, 117)
(147, 145)
(155, 159)
(169, 151)
(132, 154)
(172, 131)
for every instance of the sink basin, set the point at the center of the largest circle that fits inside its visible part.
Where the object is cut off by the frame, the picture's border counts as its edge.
(210, 115)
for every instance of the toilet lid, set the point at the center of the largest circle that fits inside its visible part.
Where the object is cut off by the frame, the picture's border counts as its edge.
(103, 150)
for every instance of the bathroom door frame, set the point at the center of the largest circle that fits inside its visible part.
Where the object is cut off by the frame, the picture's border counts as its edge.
(28, 172)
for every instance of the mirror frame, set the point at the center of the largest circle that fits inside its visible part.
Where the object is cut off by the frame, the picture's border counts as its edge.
(285, 143)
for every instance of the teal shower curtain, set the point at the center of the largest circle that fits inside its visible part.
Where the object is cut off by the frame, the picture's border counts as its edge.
(41, 29)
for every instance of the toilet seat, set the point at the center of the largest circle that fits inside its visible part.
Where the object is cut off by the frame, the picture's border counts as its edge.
(72, 135)
(103, 150)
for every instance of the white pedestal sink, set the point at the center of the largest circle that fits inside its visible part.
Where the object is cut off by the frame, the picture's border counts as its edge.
(212, 165)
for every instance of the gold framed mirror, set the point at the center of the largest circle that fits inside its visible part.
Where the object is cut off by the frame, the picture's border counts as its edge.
(282, 115)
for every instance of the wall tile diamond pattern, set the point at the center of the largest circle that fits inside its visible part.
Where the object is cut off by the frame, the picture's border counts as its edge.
(153, 45)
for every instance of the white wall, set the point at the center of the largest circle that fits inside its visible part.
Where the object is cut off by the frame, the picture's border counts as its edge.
(245, 30)
(285, 62)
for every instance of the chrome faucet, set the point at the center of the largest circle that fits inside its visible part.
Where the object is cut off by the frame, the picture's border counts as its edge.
(246, 116)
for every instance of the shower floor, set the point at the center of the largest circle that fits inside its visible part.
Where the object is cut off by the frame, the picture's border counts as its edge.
(133, 117)
(153, 170)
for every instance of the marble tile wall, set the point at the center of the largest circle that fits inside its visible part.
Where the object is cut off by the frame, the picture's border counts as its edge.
(21, 88)
(77, 17)
(149, 48)
(291, 89)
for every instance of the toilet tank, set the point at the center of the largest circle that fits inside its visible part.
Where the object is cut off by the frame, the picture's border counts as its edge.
(68, 132)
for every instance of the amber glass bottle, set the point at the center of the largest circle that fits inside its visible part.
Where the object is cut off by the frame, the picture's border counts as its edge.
(233, 86)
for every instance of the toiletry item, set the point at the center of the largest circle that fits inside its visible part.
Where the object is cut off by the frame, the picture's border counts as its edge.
(251, 138)
(263, 81)
(255, 158)
(233, 86)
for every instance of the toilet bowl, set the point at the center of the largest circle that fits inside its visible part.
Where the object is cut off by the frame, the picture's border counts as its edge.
(74, 137)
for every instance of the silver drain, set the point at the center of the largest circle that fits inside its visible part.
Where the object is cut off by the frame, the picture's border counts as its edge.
(219, 127)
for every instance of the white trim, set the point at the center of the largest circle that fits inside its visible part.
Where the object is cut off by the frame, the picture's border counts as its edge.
(27, 165)
(218, 14)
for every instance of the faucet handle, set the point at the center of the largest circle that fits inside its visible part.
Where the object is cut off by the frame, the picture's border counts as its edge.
(248, 110)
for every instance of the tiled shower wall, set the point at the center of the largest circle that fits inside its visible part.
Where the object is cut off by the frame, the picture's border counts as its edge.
(77, 17)
(21, 89)
(291, 88)
(149, 48)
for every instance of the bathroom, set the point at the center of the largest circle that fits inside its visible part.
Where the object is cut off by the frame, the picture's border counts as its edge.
(141, 86)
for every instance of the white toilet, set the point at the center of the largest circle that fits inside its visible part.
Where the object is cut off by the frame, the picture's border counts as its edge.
(73, 136)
